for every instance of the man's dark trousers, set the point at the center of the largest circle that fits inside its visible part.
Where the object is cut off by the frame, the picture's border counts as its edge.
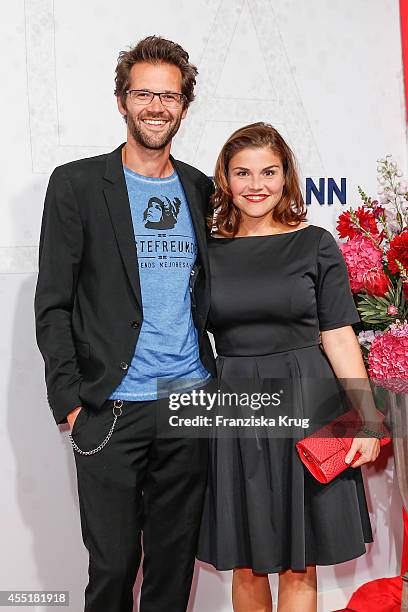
(138, 482)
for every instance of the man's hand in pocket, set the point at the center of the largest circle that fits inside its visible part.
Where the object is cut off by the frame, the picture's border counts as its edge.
(71, 416)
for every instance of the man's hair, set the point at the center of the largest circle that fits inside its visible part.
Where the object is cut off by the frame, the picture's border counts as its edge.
(156, 50)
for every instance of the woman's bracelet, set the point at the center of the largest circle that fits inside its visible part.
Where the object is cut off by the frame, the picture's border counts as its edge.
(372, 433)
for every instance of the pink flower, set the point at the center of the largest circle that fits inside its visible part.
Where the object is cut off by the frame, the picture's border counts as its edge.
(392, 310)
(361, 257)
(388, 358)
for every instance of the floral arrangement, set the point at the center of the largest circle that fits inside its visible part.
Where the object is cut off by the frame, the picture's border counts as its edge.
(376, 254)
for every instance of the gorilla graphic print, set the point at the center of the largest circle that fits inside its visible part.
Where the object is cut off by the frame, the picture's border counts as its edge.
(161, 213)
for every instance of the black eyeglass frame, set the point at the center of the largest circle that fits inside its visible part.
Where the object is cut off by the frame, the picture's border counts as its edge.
(181, 96)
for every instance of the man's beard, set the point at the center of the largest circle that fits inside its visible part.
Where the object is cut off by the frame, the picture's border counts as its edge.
(151, 140)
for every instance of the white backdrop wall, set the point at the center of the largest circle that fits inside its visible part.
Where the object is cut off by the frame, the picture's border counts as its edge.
(328, 75)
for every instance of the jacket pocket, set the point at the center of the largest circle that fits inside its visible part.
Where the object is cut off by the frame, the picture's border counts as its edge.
(78, 421)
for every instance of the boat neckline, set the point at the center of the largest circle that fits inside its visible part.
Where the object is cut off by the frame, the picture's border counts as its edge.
(262, 235)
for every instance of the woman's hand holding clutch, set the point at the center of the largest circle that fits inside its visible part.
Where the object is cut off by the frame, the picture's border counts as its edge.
(369, 448)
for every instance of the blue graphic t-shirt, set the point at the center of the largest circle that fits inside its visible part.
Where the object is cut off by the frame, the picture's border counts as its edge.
(167, 347)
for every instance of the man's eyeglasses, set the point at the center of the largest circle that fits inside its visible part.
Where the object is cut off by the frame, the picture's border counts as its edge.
(144, 97)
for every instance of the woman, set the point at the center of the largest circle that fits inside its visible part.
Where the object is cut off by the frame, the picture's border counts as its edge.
(278, 282)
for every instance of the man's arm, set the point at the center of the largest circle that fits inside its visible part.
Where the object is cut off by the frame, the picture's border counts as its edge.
(60, 252)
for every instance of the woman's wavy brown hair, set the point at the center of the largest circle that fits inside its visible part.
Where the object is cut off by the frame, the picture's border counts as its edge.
(290, 209)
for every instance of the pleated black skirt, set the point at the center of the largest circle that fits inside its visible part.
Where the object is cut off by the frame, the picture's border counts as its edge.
(263, 509)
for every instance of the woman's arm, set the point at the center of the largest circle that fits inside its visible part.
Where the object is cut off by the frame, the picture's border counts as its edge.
(343, 351)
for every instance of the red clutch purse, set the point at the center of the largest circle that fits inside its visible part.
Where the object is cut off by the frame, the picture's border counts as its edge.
(323, 452)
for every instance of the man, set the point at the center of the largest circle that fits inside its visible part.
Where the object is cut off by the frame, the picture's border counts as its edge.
(113, 318)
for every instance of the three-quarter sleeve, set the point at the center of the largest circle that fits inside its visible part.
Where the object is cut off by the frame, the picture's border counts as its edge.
(335, 303)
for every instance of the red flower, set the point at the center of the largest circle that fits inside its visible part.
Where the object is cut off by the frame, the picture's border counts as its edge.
(398, 250)
(376, 282)
(366, 218)
(378, 210)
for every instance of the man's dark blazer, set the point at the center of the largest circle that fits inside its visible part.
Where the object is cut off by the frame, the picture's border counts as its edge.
(88, 305)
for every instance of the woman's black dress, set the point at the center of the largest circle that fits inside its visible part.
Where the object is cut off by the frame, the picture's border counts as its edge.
(270, 296)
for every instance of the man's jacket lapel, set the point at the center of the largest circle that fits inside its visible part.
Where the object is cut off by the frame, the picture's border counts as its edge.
(117, 201)
(197, 210)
